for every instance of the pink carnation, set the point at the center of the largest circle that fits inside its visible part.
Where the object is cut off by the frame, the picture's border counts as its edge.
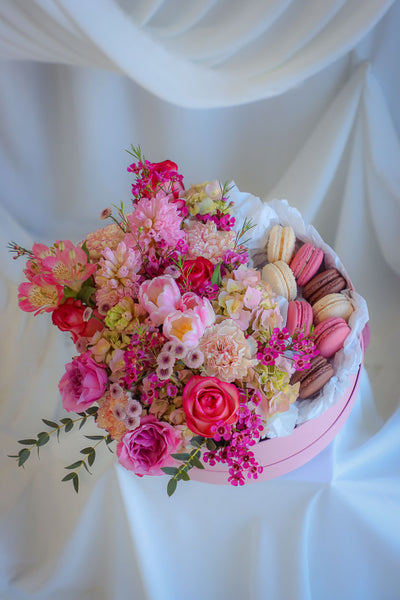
(205, 240)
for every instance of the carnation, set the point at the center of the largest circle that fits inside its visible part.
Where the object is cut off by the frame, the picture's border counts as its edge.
(227, 353)
(204, 239)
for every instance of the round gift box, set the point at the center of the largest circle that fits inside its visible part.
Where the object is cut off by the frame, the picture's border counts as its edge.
(278, 456)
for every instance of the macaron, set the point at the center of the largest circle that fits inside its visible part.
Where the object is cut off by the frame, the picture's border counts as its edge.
(329, 336)
(281, 279)
(306, 263)
(327, 282)
(281, 244)
(299, 317)
(332, 305)
(312, 380)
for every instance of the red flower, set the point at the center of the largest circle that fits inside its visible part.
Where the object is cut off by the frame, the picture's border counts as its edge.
(69, 317)
(208, 401)
(197, 272)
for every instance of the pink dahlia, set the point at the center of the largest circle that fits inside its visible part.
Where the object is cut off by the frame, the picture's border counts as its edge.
(156, 222)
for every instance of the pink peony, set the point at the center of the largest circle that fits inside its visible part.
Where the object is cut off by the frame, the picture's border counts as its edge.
(83, 382)
(208, 401)
(201, 306)
(185, 327)
(159, 297)
(148, 448)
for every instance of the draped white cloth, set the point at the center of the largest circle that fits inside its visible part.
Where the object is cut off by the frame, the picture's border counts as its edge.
(298, 100)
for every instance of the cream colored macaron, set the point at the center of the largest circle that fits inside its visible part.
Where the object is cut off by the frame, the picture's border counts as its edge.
(332, 305)
(281, 244)
(281, 279)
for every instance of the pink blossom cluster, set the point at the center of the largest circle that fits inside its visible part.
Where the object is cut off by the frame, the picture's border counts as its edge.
(175, 334)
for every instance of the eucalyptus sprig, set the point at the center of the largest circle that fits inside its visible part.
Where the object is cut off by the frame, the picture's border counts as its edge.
(90, 456)
(42, 438)
(189, 460)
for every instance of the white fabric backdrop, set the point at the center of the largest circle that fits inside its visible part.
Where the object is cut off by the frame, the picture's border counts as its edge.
(330, 146)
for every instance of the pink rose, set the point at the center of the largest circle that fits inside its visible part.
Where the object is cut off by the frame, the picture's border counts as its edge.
(208, 400)
(84, 382)
(159, 297)
(148, 448)
(185, 327)
(201, 306)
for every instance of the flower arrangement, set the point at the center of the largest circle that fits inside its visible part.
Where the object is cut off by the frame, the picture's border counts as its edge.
(182, 357)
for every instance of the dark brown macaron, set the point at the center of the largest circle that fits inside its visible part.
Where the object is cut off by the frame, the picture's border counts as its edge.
(312, 380)
(326, 282)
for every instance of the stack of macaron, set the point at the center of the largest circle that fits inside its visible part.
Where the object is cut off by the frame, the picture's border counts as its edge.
(317, 301)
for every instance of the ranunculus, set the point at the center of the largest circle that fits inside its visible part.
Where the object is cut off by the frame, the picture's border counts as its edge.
(69, 317)
(83, 382)
(185, 327)
(197, 271)
(201, 306)
(159, 297)
(208, 400)
(148, 448)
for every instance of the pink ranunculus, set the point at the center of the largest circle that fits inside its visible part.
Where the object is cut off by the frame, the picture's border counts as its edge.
(185, 327)
(159, 297)
(208, 400)
(148, 448)
(201, 306)
(83, 382)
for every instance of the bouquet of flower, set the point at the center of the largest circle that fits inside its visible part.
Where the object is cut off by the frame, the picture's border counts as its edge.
(182, 357)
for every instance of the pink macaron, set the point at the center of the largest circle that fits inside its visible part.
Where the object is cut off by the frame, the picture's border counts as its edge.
(299, 317)
(329, 335)
(306, 263)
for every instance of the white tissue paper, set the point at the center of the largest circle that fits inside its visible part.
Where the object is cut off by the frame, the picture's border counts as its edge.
(346, 363)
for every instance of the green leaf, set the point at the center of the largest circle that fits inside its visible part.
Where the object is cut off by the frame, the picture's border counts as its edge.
(74, 465)
(86, 292)
(50, 423)
(65, 420)
(86, 467)
(170, 470)
(183, 456)
(69, 293)
(216, 278)
(87, 450)
(43, 438)
(91, 458)
(81, 424)
(85, 249)
(29, 442)
(75, 481)
(197, 441)
(69, 426)
(171, 487)
(211, 445)
(185, 476)
(69, 476)
(195, 461)
(23, 456)
(92, 410)
(94, 437)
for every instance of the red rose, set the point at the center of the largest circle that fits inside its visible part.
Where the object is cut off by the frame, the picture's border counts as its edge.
(69, 317)
(165, 176)
(208, 400)
(196, 272)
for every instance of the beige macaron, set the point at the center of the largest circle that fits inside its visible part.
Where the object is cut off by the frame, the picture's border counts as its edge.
(281, 244)
(281, 279)
(332, 305)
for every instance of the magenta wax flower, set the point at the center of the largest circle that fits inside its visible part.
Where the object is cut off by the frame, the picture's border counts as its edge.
(148, 448)
(84, 382)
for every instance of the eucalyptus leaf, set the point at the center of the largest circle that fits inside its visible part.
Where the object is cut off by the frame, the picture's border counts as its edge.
(69, 476)
(211, 445)
(171, 487)
(185, 476)
(75, 481)
(197, 441)
(92, 410)
(23, 456)
(195, 461)
(87, 450)
(50, 423)
(69, 426)
(81, 424)
(91, 458)
(95, 437)
(183, 456)
(29, 442)
(170, 470)
(74, 465)
(43, 438)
